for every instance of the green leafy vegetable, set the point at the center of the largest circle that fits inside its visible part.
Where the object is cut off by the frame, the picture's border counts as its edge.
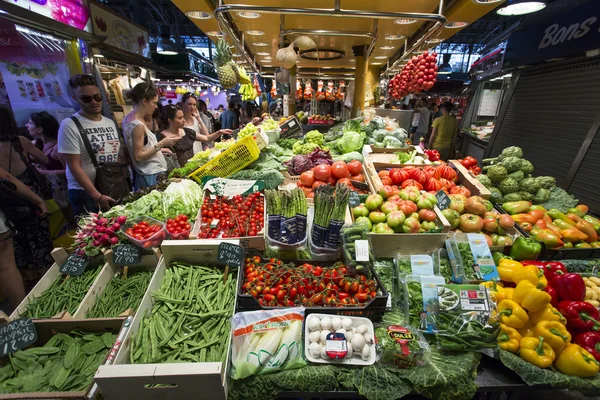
(560, 200)
(271, 177)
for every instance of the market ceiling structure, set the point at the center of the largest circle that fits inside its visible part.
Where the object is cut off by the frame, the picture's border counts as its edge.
(257, 28)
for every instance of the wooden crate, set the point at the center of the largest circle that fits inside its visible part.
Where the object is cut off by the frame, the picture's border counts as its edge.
(50, 327)
(147, 263)
(469, 181)
(387, 158)
(122, 380)
(60, 256)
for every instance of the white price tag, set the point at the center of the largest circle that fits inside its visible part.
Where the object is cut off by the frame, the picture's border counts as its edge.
(214, 223)
(213, 197)
(362, 250)
(388, 303)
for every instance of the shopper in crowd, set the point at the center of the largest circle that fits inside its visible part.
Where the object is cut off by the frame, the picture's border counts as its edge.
(229, 118)
(146, 151)
(206, 116)
(43, 127)
(32, 242)
(422, 129)
(11, 281)
(220, 108)
(174, 128)
(437, 112)
(444, 132)
(103, 137)
(192, 120)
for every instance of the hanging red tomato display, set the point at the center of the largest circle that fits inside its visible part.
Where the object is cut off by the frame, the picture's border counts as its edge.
(419, 74)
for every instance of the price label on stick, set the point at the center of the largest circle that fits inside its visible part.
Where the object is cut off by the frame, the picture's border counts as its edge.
(75, 265)
(443, 201)
(231, 255)
(126, 254)
(16, 335)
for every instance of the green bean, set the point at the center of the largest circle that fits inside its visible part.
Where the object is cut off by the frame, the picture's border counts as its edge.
(121, 295)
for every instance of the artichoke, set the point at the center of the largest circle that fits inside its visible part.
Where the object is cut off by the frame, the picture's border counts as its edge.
(511, 164)
(508, 185)
(525, 195)
(542, 196)
(526, 166)
(496, 196)
(497, 173)
(517, 175)
(512, 151)
(511, 197)
(546, 182)
(530, 185)
(485, 180)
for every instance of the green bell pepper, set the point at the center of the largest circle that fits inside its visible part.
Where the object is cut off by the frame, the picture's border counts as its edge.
(525, 249)
(497, 256)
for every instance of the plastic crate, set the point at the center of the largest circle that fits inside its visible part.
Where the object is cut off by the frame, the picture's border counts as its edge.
(373, 310)
(235, 158)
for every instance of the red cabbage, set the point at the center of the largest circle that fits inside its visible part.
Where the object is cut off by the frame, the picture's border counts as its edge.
(319, 156)
(299, 164)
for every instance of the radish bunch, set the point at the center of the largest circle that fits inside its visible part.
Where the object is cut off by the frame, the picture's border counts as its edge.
(97, 233)
(418, 74)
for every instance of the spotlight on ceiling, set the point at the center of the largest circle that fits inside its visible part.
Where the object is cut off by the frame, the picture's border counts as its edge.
(521, 7)
(251, 15)
(456, 25)
(403, 21)
(198, 14)
(255, 32)
(395, 37)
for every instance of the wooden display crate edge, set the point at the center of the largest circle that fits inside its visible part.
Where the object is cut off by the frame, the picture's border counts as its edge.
(469, 181)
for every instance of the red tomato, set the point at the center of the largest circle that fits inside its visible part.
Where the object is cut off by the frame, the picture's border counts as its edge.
(346, 181)
(307, 178)
(339, 170)
(316, 184)
(354, 167)
(306, 190)
(358, 178)
(322, 172)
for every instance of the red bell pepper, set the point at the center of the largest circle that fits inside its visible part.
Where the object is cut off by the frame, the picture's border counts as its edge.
(551, 269)
(591, 342)
(552, 292)
(568, 286)
(581, 316)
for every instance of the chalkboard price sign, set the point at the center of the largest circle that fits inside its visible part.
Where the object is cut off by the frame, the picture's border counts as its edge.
(75, 265)
(443, 201)
(16, 335)
(231, 255)
(126, 254)
(353, 200)
(290, 128)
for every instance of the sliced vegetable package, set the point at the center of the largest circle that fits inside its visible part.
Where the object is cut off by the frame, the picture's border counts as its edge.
(473, 258)
(466, 318)
(400, 344)
(266, 341)
(421, 300)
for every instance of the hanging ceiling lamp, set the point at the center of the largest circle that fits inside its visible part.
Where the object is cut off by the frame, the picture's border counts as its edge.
(521, 7)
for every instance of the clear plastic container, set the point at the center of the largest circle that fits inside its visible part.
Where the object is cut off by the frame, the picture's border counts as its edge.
(469, 269)
(416, 264)
(179, 236)
(350, 235)
(281, 245)
(323, 253)
(153, 241)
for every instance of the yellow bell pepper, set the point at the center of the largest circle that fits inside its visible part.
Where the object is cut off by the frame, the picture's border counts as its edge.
(530, 296)
(509, 338)
(496, 291)
(554, 333)
(526, 330)
(532, 274)
(509, 292)
(576, 361)
(536, 352)
(506, 269)
(512, 314)
(548, 313)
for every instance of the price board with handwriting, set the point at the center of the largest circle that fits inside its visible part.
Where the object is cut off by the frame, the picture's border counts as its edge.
(231, 254)
(16, 335)
(353, 200)
(290, 128)
(75, 265)
(126, 254)
(443, 201)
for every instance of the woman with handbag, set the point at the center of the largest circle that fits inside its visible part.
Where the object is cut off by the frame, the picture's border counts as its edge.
(32, 240)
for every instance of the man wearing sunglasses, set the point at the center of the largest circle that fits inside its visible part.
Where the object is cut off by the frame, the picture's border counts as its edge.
(103, 136)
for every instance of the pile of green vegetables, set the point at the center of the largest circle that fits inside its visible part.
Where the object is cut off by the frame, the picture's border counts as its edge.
(121, 294)
(65, 294)
(190, 318)
(66, 363)
(509, 178)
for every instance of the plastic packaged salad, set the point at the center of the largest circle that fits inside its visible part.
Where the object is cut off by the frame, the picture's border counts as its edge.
(421, 264)
(421, 300)
(472, 256)
(399, 344)
(387, 275)
(444, 264)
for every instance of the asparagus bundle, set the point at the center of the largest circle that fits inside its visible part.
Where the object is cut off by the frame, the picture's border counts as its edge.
(330, 210)
(287, 215)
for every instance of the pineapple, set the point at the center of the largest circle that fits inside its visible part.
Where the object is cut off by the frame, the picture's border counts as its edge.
(226, 68)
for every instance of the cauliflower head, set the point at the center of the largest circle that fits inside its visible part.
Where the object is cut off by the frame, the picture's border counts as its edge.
(314, 137)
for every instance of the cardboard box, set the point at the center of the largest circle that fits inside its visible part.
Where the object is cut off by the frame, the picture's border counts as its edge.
(147, 263)
(48, 328)
(122, 380)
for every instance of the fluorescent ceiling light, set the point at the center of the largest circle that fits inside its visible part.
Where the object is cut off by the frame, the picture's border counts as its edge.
(376, 63)
(260, 44)
(521, 7)
(381, 57)
(263, 53)
(395, 37)
(403, 21)
(255, 32)
(386, 47)
(434, 41)
(214, 33)
(198, 14)
(251, 15)
(456, 25)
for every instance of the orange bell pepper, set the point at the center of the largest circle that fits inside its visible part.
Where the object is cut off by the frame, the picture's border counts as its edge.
(527, 227)
(548, 237)
(573, 235)
(555, 229)
(519, 218)
(562, 224)
(537, 214)
(585, 227)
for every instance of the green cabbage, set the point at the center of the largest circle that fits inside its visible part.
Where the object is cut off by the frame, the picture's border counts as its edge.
(351, 141)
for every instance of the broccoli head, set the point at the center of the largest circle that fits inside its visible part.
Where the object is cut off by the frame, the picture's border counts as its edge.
(485, 180)
(542, 196)
(314, 137)
(511, 197)
(497, 173)
(304, 148)
(511, 164)
(508, 185)
(530, 185)
(517, 175)
(546, 182)
(526, 166)
(496, 196)
(525, 195)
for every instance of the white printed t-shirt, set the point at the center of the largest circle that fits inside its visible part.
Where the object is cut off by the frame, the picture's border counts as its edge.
(104, 139)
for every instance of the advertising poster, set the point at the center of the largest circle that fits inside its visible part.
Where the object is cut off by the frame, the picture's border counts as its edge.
(74, 13)
(34, 72)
